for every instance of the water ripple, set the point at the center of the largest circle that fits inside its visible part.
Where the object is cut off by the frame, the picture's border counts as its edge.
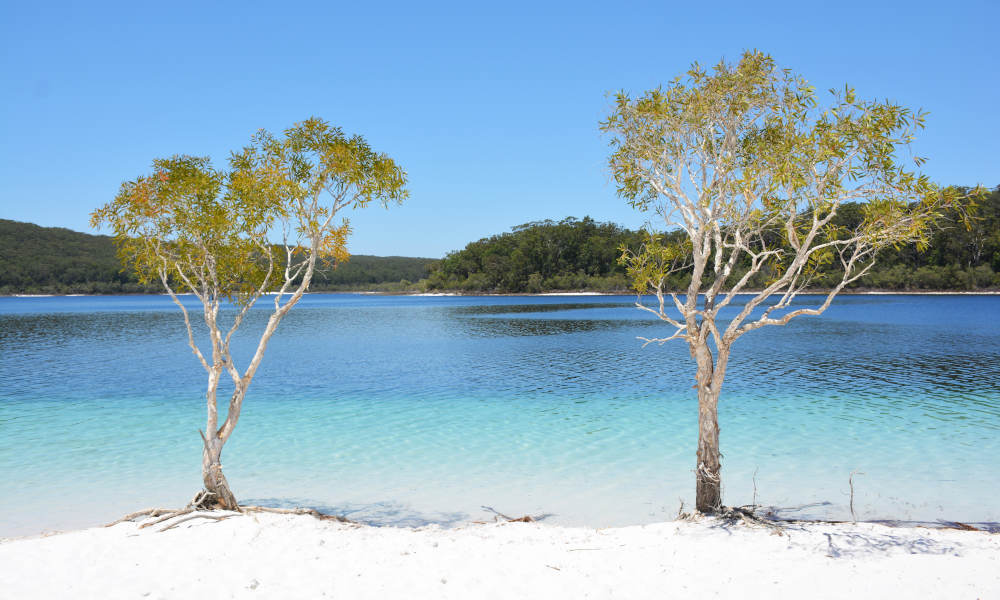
(422, 410)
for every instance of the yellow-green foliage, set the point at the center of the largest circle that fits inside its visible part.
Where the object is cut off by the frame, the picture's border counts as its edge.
(655, 260)
(210, 230)
(747, 148)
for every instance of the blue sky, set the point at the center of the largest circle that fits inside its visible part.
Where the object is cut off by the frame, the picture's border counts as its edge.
(493, 109)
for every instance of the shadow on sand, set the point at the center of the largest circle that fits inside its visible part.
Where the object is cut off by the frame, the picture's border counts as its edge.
(379, 514)
(845, 543)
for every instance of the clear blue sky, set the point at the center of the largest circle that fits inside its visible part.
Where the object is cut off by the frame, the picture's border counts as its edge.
(493, 109)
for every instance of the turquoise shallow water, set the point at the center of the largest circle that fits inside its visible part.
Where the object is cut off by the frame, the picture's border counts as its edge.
(409, 410)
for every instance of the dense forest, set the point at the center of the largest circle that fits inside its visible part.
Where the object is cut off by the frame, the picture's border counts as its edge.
(52, 260)
(959, 257)
(373, 273)
(571, 254)
(544, 255)
(581, 255)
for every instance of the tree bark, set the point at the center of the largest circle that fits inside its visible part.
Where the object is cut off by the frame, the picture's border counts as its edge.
(708, 471)
(708, 475)
(212, 476)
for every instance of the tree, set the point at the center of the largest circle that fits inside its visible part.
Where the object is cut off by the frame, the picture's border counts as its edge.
(205, 231)
(746, 164)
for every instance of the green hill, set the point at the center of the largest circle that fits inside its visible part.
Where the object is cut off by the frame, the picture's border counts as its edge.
(53, 260)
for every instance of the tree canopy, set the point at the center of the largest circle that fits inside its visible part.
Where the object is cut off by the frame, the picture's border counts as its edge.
(202, 229)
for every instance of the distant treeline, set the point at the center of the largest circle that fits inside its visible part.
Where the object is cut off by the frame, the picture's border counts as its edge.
(581, 255)
(959, 258)
(571, 254)
(535, 257)
(52, 260)
(362, 272)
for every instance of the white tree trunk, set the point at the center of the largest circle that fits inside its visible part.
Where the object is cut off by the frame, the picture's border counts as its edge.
(211, 472)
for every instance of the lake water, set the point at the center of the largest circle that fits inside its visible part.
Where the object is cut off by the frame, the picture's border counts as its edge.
(411, 410)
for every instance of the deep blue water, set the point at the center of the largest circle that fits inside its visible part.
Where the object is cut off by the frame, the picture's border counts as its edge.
(409, 410)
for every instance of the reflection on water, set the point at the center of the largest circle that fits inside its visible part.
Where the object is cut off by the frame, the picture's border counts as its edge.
(491, 328)
(530, 308)
(422, 410)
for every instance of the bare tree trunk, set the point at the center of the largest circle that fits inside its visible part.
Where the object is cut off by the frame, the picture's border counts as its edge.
(211, 474)
(708, 486)
(708, 474)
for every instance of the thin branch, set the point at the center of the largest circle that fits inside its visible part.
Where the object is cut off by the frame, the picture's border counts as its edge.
(187, 320)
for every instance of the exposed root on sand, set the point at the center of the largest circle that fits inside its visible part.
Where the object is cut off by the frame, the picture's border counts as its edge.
(737, 515)
(167, 517)
(297, 511)
(747, 515)
(149, 512)
(525, 519)
(202, 506)
(197, 516)
(162, 515)
(770, 518)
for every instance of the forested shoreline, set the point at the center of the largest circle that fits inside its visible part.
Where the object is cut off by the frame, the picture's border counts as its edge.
(543, 256)
(582, 255)
(53, 260)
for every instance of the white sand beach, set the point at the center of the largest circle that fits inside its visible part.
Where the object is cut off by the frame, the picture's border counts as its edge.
(294, 556)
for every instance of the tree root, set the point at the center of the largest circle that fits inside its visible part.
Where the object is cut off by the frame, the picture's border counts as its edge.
(167, 517)
(196, 516)
(746, 515)
(298, 511)
(204, 502)
(161, 515)
(525, 519)
(149, 512)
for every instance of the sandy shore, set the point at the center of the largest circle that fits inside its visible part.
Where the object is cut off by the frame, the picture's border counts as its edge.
(290, 556)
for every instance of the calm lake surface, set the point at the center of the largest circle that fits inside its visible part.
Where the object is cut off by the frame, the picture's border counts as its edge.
(412, 410)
